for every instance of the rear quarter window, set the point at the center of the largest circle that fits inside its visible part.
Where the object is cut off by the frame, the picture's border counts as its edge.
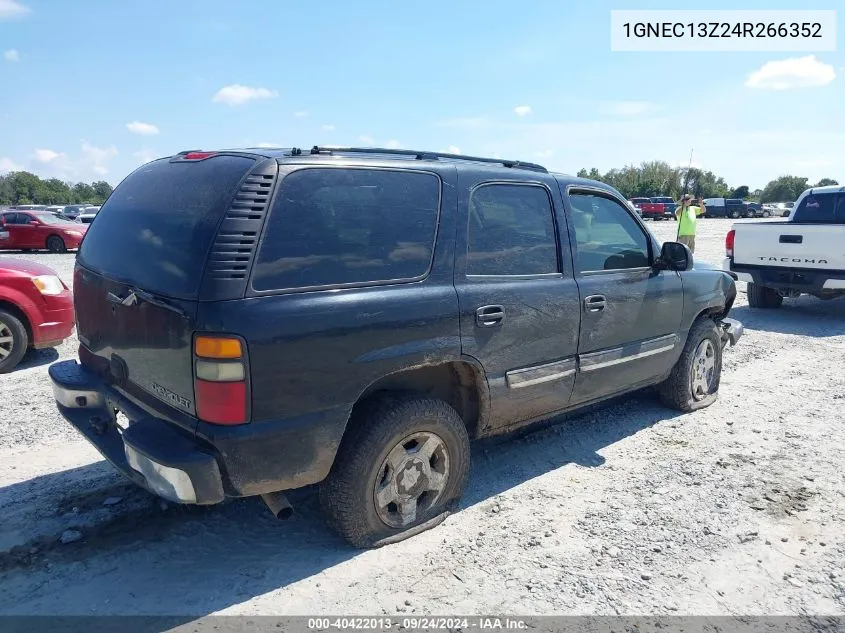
(155, 229)
(334, 226)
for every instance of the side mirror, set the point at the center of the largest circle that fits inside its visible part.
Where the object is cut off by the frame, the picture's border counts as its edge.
(675, 256)
(34, 223)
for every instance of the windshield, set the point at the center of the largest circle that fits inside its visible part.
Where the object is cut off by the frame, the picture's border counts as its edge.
(49, 218)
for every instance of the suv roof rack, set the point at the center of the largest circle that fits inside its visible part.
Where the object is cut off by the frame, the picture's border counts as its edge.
(421, 155)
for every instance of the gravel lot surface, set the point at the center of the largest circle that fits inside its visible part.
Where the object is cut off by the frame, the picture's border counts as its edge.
(737, 509)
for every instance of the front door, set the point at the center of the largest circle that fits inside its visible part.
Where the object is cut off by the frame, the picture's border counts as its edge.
(518, 299)
(630, 312)
(27, 235)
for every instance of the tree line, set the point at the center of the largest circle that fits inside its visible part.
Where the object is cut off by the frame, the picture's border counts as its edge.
(658, 178)
(23, 187)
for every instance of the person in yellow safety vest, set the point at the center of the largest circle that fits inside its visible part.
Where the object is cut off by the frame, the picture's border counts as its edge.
(687, 213)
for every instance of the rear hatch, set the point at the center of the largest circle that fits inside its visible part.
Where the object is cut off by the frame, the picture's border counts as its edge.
(140, 270)
(811, 239)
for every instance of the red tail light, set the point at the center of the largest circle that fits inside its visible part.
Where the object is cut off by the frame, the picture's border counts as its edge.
(220, 380)
(729, 243)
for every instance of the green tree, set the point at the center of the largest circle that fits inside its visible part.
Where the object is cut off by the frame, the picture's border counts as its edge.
(784, 189)
(83, 192)
(740, 192)
(102, 190)
(826, 182)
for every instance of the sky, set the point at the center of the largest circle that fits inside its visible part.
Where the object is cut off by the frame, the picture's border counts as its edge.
(91, 89)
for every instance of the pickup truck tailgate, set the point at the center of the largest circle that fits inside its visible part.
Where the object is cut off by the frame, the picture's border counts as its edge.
(792, 245)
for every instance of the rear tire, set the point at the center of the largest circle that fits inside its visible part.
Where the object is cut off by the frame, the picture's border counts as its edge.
(766, 214)
(694, 381)
(763, 297)
(734, 214)
(13, 341)
(55, 244)
(397, 451)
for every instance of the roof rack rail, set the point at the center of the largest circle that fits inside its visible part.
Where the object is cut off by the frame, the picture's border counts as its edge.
(422, 155)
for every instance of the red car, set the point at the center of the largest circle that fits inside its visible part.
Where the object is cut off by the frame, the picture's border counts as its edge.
(36, 310)
(33, 230)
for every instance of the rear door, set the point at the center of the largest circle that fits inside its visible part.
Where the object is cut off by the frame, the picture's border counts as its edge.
(519, 314)
(139, 271)
(630, 312)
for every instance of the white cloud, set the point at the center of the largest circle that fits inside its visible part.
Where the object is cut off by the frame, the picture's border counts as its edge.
(12, 9)
(453, 150)
(11, 55)
(523, 110)
(367, 140)
(144, 129)
(144, 156)
(393, 144)
(236, 94)
(46, 155)
(7, 164)
(328, 128)
(546, 153)
(627, 108)
(100, 170)
(301, 114)
(266, 145)
(788, 74)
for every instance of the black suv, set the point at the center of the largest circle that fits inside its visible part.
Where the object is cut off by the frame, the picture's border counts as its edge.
(270, 319)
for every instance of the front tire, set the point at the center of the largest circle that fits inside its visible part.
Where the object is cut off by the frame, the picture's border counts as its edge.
(55, 244)
(766, 214)
(734, 214)
(694, 381)
(401, 468)
(13, 341)
(763, 297)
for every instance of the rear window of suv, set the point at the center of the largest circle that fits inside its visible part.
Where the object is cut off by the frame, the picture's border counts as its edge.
(155, 229)
(337, 226)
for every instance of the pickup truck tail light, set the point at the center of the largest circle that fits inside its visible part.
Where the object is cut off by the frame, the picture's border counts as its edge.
(729, 243)
(220, 380)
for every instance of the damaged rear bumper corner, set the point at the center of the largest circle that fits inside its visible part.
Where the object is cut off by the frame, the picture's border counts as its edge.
(732, 331)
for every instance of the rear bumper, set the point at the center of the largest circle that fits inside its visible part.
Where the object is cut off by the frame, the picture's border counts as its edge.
(788, 279)
(205, 466)
(732, 331)
(149, 451)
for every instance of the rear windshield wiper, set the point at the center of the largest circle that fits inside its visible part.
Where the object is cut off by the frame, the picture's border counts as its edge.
(135, 295)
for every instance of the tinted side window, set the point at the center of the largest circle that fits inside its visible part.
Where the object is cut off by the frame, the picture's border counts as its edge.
(607, 236)
(817, 209)
(10, 218)
(348, 226)
(511, 231)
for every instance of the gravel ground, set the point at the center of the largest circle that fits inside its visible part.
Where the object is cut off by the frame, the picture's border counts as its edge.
(737, 509)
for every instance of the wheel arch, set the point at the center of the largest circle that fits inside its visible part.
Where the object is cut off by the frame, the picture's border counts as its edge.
(15, 310)
(462, 384)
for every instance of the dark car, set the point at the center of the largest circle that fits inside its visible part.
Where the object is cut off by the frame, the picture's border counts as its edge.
(270, 319)
(74, 210)
(36, 309)
(38, 230)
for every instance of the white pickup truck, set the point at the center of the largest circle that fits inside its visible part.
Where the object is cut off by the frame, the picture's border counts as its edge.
(802, 255)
